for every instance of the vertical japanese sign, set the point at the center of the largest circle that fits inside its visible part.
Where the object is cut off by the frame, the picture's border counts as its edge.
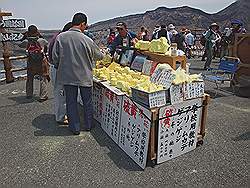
(193, 90)
(112, 104)
(178, 129)
(134, 131)
(97, 95)
(176, 94)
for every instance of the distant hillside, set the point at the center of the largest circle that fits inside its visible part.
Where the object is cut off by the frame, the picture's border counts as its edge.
(181, 17)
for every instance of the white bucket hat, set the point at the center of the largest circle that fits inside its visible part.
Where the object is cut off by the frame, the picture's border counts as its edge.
(171, 26)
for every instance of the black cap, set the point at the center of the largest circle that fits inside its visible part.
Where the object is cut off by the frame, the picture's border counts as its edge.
(79, 18)
(121, 25)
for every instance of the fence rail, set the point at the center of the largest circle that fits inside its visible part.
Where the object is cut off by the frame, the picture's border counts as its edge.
(21, 60)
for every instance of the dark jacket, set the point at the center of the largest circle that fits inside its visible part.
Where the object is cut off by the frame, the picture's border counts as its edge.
(118, 42)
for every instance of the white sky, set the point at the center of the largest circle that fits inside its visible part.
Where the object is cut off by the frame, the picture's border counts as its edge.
(53, 14)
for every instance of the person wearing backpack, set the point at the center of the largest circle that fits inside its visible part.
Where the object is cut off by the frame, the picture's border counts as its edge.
(203, 43)
(37, 63)
(163, 32)
(180, 40)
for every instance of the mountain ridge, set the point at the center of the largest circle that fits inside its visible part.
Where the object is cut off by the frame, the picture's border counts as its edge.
(181, 16)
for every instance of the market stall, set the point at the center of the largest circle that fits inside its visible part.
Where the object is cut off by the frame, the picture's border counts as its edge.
(152, 111)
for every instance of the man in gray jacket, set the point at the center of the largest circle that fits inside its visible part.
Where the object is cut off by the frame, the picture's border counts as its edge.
(74, 55)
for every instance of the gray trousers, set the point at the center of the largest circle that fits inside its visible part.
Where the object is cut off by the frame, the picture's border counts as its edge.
(209, 57)
(59, 97)
(43, 86)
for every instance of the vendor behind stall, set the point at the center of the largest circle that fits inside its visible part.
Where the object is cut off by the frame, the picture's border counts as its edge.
(124, 38)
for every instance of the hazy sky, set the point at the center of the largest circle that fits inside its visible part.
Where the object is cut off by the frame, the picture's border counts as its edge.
(53, 14)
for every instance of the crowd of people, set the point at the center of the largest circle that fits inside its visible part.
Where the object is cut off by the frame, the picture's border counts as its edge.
(72, 54)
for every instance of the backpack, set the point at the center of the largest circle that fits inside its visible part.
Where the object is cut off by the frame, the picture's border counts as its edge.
(35, 53)
(203, 40)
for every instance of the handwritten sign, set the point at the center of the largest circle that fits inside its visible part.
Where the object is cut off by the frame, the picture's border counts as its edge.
(193, 90)
(111, 116)
(163, 77)
(158, 99)
(176, 94)
(5, 37)
(134, 131)
(138, 62)
(151, 100)
(149, 67)
(97, 97)
(13, 23)
(178, 129)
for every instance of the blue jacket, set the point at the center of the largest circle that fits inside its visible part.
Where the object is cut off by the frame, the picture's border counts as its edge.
(118, 42)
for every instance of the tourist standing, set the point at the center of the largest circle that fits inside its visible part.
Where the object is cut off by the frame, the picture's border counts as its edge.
(163, 33)
(37, 63)
(180, 40)
(211, 38)
(172, 32)
(74, 55)
(189, 40)
(59, 93)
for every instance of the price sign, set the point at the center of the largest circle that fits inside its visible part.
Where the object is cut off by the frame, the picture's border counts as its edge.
(134, 131)
(178, 129)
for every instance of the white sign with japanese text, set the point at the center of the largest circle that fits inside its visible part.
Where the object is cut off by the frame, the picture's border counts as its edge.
(176, 94)
(111, 115)
(193, 90)
(157, 99)
(163, 77)
(97, 97)
(13, 23)
(134, 131)
(178, 129)
(8, 37)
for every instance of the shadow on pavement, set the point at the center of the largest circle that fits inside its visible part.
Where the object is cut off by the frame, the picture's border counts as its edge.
(118, 156)
(213, 94)
(47, 126)
(23, 99)
(245, 136)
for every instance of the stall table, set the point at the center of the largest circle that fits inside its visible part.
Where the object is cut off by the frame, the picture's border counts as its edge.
(149, 133)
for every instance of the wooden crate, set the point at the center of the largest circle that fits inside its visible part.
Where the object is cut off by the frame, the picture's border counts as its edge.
(162, 58)
(240, 50)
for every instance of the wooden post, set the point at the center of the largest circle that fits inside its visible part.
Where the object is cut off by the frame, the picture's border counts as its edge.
(7, 64)
(206, 101)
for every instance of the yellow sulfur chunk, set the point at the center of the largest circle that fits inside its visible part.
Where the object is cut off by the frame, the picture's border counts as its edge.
(142, 45)
(159, 46)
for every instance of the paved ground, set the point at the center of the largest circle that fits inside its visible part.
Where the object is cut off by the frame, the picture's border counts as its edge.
(35, 151)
